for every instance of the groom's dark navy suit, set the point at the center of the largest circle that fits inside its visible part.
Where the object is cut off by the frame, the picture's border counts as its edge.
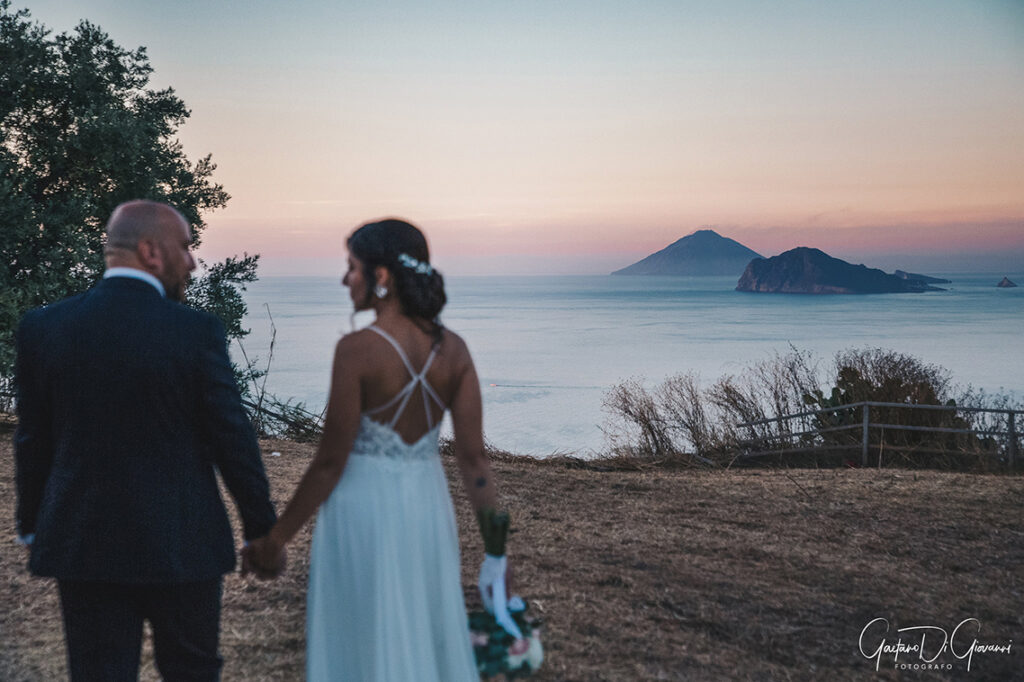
(127, 406)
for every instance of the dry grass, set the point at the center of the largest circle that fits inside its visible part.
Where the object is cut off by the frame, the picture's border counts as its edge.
(665, 574)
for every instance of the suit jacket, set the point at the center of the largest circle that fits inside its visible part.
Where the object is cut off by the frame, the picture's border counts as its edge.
(127, 405)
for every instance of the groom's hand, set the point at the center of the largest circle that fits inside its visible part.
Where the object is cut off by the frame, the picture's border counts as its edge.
(263, 559)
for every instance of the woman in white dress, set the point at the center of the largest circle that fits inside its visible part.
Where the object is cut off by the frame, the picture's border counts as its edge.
(385, 599)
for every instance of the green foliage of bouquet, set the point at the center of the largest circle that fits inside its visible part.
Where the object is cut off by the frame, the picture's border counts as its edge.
(499, 653)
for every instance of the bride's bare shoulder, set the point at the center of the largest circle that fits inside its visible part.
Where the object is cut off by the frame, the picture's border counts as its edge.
(454, 347)
(355, 344)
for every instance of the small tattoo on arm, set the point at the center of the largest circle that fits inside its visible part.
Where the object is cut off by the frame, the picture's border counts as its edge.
(481, 482)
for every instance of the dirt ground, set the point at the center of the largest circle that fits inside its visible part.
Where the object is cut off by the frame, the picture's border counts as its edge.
(756, 574)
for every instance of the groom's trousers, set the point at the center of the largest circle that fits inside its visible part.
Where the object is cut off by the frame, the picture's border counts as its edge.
(103, 628)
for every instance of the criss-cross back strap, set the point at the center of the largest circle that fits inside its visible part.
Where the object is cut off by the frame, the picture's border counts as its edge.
(405, 394)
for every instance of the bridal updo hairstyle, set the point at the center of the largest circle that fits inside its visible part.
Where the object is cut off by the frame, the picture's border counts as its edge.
(420, 294)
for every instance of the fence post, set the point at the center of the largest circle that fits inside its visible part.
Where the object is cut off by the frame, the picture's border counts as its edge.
(1013, 441)
(864, 439)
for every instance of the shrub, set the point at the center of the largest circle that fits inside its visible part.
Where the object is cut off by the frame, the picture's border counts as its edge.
(682, 421)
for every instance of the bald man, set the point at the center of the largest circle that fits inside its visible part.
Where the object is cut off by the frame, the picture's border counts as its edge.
(127, 406)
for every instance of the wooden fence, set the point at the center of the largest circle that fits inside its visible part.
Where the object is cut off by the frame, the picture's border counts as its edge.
(1009, 435)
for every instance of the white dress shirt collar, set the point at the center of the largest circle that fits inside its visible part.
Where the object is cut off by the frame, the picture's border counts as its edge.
(136, 274)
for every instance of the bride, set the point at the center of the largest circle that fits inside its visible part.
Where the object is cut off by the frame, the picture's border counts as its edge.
(385, 600)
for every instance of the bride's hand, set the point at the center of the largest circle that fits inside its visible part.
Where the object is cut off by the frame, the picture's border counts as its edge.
(494, 594)
(263, 558)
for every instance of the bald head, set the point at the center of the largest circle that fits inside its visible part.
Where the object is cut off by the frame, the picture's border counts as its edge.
(154, 237)
(141, 219)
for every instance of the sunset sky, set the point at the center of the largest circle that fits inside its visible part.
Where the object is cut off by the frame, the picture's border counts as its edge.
(576, 137)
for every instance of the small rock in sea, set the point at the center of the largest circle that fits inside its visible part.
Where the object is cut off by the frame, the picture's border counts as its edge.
(1006, 283)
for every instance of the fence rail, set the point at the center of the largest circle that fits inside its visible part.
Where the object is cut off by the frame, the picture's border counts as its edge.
(1011, 433)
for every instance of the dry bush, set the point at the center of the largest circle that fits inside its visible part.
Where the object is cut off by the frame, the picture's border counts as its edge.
(879, 375)
(693, 420)
(767, 389)
(682, 421)
(646, 433)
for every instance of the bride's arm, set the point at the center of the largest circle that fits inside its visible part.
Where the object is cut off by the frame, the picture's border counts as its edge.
(467, 423)
(467, 420)
(341, 425)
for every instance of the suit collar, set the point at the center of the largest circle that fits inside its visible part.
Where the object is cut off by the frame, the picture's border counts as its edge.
(128, 284)
(135, 273)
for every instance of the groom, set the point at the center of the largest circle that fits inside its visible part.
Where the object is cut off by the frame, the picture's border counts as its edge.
(127, 406)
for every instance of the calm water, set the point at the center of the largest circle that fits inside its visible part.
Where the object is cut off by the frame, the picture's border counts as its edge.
(548, 348)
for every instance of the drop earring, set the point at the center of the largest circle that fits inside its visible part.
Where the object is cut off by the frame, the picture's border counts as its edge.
(380, 291)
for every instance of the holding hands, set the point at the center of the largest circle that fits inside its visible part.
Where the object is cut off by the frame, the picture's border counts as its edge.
(264, 558)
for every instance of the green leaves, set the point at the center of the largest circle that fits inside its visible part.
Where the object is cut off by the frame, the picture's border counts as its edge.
(80, 133)
(219, 289)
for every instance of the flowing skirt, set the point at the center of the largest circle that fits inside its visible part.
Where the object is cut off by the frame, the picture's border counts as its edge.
(385, 600)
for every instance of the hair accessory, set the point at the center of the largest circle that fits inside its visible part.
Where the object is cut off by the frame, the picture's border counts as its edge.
(380, 290)
(419, 266)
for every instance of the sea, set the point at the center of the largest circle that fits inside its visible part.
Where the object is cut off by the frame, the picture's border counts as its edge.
(548, 349)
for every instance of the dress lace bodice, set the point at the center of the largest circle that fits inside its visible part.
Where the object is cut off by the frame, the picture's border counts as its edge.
(380, 440)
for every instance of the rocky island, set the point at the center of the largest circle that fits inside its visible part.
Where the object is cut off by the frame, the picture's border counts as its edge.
(805, 270)
(1007, 283)
(705, 252)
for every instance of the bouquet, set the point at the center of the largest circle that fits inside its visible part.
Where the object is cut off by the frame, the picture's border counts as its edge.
(505, 641)
(497, 652)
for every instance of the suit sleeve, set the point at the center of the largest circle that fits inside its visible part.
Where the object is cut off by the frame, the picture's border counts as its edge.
(231, 437)
(33, 441)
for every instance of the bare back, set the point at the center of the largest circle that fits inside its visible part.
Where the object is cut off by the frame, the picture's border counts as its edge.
(394, 388)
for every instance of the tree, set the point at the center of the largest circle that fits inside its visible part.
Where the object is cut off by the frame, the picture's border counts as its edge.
(80, 132)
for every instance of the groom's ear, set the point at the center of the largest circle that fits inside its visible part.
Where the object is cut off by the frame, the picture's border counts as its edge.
(149, 254)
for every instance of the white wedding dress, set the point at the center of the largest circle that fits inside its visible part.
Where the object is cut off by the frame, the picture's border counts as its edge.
(385, 599)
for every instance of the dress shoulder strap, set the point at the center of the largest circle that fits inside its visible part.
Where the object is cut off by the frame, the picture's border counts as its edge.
(401, 353)
(417, 378)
